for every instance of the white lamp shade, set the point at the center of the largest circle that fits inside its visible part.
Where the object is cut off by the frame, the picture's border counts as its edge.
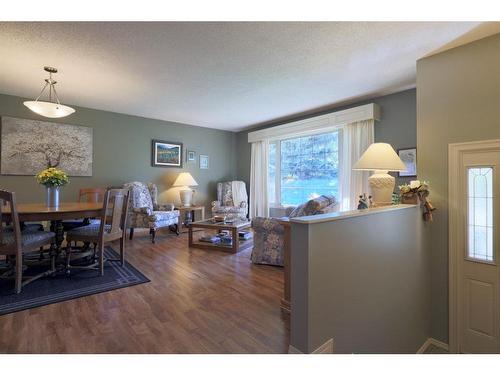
(48, 109)
(379, 156)
(185, 179)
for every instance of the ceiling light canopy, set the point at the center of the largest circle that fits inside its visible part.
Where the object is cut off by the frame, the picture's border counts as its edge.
(53, 109)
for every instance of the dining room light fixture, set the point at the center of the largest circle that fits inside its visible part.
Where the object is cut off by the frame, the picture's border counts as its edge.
(52, 108)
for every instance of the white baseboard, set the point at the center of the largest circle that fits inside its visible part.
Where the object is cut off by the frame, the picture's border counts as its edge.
(431, 341)
(293, 350)
(325, 348)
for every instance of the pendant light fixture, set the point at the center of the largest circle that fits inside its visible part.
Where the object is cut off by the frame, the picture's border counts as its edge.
(51, 108)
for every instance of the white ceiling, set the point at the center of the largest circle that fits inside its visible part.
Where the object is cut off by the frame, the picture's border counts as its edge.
(219, 75)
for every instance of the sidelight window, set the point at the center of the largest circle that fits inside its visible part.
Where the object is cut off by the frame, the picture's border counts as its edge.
(480, 213)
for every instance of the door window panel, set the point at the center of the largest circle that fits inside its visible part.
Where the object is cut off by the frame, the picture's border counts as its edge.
(480, 213)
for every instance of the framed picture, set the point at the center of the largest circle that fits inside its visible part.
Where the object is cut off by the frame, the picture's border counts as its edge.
(409, 157)
(191, 156)
(28, 146)
(204, 162)
(166, 154)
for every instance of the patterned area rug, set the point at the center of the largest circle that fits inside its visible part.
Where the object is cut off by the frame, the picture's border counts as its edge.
(81, 283)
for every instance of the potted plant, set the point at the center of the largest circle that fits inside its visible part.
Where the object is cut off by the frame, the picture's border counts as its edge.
(52, 178)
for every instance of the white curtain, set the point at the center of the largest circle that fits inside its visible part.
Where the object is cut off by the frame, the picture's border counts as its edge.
(259, 203)
(356, 137)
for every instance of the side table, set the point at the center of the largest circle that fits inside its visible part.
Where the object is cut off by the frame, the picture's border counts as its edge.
(187, 215)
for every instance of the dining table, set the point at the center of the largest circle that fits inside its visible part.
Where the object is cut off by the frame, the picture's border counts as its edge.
(56, 215)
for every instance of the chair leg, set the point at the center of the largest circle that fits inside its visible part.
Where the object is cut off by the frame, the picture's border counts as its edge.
(19, 274)
(177, 229)
(152, 232)
(101, 259)
(68, 258)
(52, 255)
(131, 233)
(122, 250)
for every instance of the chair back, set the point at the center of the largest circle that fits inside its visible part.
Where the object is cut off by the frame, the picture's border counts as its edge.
(140, 196)
(91, 195)
(9, 199)
(114, 214)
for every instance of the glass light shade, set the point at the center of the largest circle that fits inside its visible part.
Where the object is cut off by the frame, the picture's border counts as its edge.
(379, 156)
(185, 179)
(48, 109)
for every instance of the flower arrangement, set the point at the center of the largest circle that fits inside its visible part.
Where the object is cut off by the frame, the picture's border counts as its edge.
(413, 188)
(52, 177)
(417, 191)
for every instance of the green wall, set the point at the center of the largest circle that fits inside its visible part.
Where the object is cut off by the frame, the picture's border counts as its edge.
(458, 100)
(397, 127)
(122, 152)
(366, 288)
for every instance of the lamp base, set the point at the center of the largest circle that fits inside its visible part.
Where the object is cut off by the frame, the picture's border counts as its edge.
(382, 186)
(186, 197)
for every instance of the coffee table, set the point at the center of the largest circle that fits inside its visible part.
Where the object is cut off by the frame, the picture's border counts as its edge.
(210, 224)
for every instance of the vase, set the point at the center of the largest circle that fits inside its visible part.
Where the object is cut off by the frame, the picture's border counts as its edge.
(52, 196)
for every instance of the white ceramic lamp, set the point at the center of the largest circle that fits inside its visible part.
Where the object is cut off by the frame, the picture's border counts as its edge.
(381, 158)
(185, 180)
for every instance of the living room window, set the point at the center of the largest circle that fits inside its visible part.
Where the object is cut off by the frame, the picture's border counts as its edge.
(302, 168)
(294, 162)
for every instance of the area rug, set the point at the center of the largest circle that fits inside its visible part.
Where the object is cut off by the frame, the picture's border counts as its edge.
(60, 288)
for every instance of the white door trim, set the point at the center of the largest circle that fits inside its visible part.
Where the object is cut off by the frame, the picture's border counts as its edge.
(455, 155)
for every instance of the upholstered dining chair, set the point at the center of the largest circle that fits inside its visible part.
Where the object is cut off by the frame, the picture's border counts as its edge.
(14, 243)
(111, 227)
(24, 226)
(146, 212)
(88, 195)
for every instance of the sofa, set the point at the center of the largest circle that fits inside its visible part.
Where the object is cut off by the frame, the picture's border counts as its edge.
(146, 212)
(269, 233)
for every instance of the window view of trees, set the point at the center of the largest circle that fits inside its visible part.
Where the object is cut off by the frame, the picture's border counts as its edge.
(308, 168)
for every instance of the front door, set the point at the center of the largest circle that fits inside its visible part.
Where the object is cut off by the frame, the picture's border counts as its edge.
(478, 253)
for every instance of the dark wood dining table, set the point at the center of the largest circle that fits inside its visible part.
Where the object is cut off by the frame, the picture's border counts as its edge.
(56, 215)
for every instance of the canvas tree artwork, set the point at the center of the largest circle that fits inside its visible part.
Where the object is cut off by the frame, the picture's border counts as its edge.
(28, 146)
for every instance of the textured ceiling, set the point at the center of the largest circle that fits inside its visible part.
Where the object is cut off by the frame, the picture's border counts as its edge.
(220, 75)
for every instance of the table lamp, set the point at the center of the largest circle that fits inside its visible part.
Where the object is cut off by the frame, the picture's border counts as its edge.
(381, 158)
(185, 180)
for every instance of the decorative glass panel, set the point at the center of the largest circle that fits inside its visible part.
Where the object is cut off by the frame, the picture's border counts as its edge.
(480, 216)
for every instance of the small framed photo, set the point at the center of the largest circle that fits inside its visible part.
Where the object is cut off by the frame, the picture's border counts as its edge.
(204, 161)
(409, 157)
(191, 156)
(166, 154)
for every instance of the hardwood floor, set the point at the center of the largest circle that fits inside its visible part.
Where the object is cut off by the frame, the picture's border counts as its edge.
(198, 301)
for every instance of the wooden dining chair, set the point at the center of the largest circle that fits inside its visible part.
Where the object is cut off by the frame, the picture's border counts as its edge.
(112, 227)
(85, 195)
(14, 243)
(91, 195)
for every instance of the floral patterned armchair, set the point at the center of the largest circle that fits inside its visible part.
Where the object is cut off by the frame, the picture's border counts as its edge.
(269, 238)
(145, 212)
(224, 205)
